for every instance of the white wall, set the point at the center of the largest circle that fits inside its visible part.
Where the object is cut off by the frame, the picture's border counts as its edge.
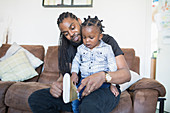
(128, 21)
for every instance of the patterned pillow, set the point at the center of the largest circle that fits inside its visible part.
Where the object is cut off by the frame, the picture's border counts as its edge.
(16, 68)
(35, 62)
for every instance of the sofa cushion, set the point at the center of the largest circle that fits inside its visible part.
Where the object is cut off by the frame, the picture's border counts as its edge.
(3, 110)
(3, 89)
(144, 100)
(51, 71)
(134, 78)
(15, 48)
(13, 110)
(48, 77)
(16, 68)
(51, 59)
(125, 104)
(17, 95)
(147, 83)
(129, 55)
(36, 50)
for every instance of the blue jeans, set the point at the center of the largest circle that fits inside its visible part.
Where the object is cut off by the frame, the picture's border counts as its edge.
(76, 103)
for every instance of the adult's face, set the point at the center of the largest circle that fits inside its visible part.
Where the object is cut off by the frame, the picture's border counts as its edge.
(70, 28)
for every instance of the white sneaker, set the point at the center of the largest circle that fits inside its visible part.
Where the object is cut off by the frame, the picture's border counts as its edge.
(69, 89)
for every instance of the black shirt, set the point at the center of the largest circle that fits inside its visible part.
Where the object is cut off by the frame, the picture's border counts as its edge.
(106, 38)
(111, 41)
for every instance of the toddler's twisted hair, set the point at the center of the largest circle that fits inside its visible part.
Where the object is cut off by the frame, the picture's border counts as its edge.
(93, 22)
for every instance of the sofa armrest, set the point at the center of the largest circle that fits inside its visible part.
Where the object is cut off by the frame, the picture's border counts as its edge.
(19, 99)
(3, 89)
(144, 100)
(147, 83)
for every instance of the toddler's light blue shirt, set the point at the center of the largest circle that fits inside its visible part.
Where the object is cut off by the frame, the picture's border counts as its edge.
(100, 58)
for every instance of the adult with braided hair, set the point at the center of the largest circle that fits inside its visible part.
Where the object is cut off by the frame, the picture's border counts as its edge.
(50, 100)
(93, 56)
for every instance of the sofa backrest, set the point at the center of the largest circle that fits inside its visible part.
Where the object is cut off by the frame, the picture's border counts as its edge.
(51, 71)
(36, 50)
(132, 60)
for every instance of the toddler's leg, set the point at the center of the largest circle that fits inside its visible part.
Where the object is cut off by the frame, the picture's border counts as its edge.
(75, 106)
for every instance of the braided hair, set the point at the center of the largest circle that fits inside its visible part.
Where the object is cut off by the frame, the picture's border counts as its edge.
(65, 15)
(93, 22)
(64, 44)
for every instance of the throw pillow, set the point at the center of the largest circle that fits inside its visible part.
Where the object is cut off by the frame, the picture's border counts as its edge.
(16, 68)
(35, 62)
(134, 78)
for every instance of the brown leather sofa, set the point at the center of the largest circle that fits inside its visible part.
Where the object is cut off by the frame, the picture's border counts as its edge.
(141, 97)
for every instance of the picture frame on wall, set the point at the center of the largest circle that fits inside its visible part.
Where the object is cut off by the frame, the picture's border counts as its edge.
(67, 3)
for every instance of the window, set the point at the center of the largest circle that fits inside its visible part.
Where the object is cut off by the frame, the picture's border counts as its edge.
(67, 3)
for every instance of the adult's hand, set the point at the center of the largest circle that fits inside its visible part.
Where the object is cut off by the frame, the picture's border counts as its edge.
(91, 83)
(56, 88)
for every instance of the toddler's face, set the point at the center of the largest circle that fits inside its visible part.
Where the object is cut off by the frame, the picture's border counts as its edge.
(91, 36)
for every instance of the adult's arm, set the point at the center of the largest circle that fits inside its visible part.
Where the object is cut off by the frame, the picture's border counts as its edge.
(122, 75)
(94, 81)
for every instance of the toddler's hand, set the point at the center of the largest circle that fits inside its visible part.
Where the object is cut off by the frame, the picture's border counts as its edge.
(114, 90)
(74, 78)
